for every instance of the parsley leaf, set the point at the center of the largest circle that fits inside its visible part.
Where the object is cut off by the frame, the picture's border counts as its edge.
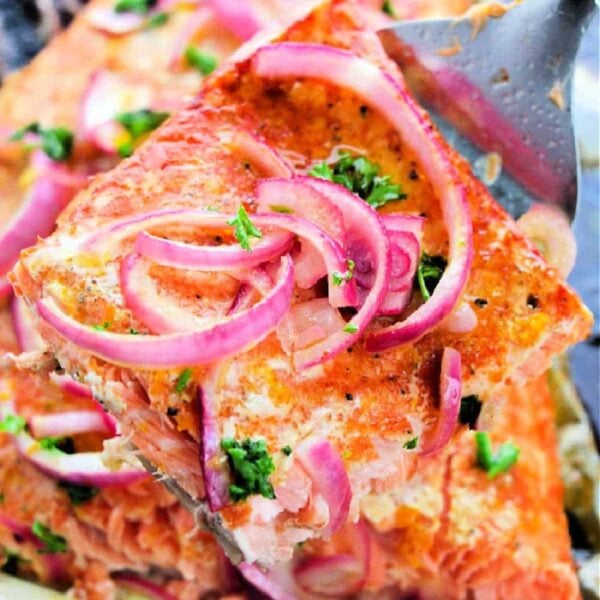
(102, 327)
(182, 381)
(412, 443)
(361, 176)
(494, 464)
(470, 407)
(204, 62)
(338, 278)
(139, 122)
(78, 494)
(250, 466)
(387, 8)
(351, 328)
(52, 542)
(244, 229)
(14, 424)
(157, 20)
(141, 7)
(51, 443)
(55, 142)
(429, 273)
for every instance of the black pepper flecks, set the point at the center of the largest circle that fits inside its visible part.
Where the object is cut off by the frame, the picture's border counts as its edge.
(532, 301)
(480, 302)
(172, 411)
(349, 396)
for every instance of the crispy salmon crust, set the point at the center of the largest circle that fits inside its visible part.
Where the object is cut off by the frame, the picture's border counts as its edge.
(260, 395)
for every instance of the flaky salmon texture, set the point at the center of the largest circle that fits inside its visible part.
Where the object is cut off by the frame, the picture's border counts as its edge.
(361, 409)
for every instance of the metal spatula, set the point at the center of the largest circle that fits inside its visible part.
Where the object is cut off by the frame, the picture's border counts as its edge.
(503, 86)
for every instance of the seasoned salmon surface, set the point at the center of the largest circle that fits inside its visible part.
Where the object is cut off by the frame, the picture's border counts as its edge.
(368, 405)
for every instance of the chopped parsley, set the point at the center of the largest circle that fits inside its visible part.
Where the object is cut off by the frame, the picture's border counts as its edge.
(287, 450)
(204, 62)
(14, 424)
(52, 542)
(141, 7)
(494, 464)
(361, 176)
(50, 443)
(78, 494)
(55, 142)
(470, 407)
(351, 328)
(412, 443)
(338, 278)
(183, 380)
(157, 20)
(250, 466)
(429, 273)
(102, 326)
(138, 123)
(244, 229)
(387, 8)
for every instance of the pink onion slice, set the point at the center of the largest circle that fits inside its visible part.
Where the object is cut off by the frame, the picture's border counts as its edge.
(324, 466)
(548, 228)
(293, 195)
(239, 332)
(242, 17)
(195, 23)
(144, 586)
(360, 221)
(69, 423)
(391, 99)
(114, 23)
(214, 473)
(395, 302)
(260, 154)
(36, 216)
(265, 582)
(5, 288)
(27, 336)
(450, 393)
(330, 576)
(171, 253)
(70, 386)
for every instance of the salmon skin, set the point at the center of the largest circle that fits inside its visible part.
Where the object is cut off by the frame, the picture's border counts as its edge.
(258, 393)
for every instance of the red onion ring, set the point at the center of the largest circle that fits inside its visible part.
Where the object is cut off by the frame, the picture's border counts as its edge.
(68, 423)
(240, 332)
(324, 466)
(170, 253)
(390, 98)
(22, 319)
(264, 582)
(70, 386)
(450, 393)
(146, 587)
(261, 154)
(242, 17)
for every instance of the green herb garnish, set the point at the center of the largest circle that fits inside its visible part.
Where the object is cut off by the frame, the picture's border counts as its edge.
(78, 494)
(351, 328)
(494, 464)
(52, 542)
(14, 424)
(157, 20)
(244, 229)
(182, 381)
(102, 326)
(204, 62)
(140, 122)
(51, 443)
(361, 176)
(429, 273)
(412, 443)
(141, 7)
(250, 466)
(55, 142)
(470, 407)
(338, 278)
(387, 8)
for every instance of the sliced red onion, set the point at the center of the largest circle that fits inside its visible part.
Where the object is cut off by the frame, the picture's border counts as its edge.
(69, 385)
(360, 221)
(307, 323)
(36, 216)
(5, 288)
(450, 393)
(326, 469)
(330, 576)
(395, 302)
(261, 154)
(293, 195)
(242, 17)
(114, 23)
(548, 228)
(54, 563)
(170, 253)
(238, 333)
(22, 319)
(144, 586)
(214, 472)
(389, 97)
(266, 583)
(68, 423)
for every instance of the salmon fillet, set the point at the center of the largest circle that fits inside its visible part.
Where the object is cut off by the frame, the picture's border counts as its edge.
(394, 393)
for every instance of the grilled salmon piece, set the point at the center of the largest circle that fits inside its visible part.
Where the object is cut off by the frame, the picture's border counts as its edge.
(368, 405)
